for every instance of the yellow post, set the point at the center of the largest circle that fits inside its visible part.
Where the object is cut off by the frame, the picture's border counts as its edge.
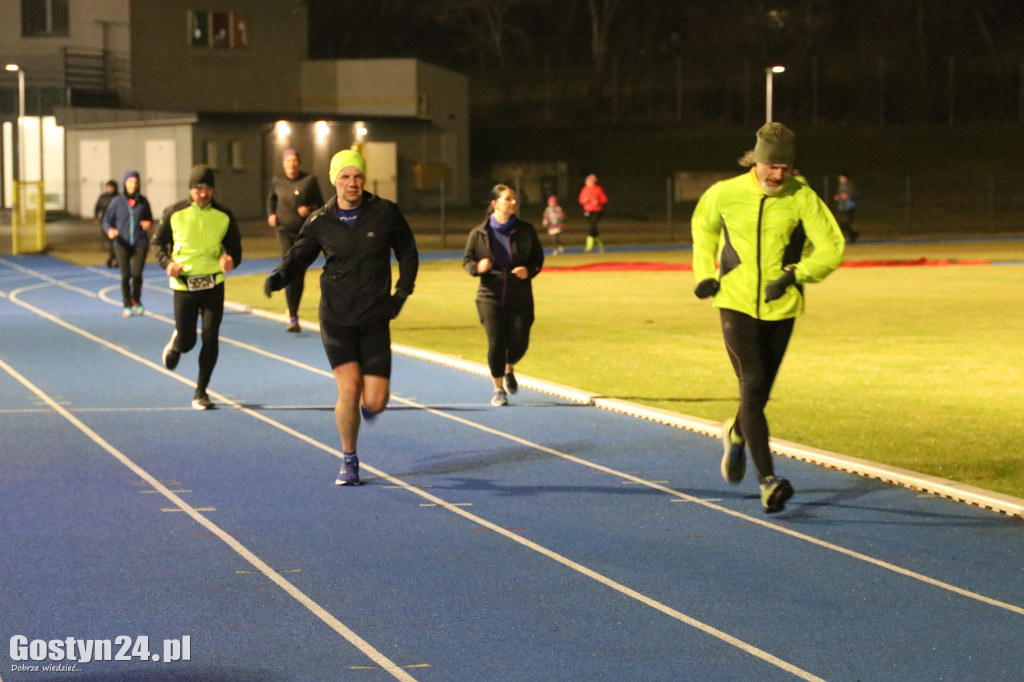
(16, 218)
(39, 214)
(29, 210)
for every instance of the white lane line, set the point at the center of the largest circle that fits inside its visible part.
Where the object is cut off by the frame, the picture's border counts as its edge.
(950, 490)
(628, 478)
(416, 490)
(194, 512)
(679, 496)
(710, 504)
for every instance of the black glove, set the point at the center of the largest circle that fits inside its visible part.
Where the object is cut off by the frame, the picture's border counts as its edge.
(274, 282)
(777, 288)
(707, 287)
(397, 302)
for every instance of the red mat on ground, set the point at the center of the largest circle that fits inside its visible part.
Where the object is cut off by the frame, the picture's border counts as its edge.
(621, 266)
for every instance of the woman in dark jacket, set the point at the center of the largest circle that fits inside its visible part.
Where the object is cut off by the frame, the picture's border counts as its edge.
(127, 223)
(506, 254)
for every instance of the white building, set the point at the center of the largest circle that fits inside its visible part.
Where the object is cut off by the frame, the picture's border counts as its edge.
(159, 86)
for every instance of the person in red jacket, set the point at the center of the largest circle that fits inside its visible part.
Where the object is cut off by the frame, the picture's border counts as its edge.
(593, 199)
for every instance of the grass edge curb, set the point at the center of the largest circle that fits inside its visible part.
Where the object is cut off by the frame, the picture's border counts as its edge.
(905, 478)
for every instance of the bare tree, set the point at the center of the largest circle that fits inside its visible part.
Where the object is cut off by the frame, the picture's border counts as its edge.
(484, 23)
(602, 14)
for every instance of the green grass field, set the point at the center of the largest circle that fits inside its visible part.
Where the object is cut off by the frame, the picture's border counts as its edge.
(917, 367)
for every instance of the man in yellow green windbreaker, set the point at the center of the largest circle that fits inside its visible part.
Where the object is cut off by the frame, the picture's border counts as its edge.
(757, 227)
(197, 244)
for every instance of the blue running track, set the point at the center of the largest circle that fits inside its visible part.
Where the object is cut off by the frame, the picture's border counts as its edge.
(548, 540)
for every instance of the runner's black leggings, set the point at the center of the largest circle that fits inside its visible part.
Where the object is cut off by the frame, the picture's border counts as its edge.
(188, 306)
(756, 349)
(508, 333)
(293, 291)
(131, 259)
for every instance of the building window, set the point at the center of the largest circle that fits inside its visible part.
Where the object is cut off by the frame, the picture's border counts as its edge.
(211, 152)
(237, 158)
(218, 29)
(44, 18)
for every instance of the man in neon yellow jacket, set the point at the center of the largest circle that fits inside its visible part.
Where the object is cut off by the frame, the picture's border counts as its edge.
(197, 243)
(758, 227)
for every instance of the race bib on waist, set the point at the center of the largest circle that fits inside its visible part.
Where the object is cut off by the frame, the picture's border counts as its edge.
(201, 282)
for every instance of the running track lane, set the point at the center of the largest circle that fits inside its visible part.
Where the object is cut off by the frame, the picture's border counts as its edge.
(546, 540)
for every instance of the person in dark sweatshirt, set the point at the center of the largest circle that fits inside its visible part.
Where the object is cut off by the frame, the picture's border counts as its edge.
(506, 254)
(293, 197)
(102, 203)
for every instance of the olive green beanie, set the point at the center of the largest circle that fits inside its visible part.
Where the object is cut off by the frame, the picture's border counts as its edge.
(775, 144)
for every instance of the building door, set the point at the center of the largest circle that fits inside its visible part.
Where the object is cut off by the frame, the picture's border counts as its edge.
(382, 168)
(94, 167)
(160, 183)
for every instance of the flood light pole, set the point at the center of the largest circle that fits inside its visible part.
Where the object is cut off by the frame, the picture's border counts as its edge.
(21, 119)
(768, 73)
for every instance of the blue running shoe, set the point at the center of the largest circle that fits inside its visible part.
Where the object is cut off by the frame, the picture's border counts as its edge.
(774, 493)
(349, 474)
(734, 460)
(368, 414)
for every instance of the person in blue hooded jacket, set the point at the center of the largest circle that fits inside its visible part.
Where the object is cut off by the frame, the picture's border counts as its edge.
(127, 224)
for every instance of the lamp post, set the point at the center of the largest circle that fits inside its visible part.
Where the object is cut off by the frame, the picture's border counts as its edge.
(359, 132)
(21, 119)
(768, 73)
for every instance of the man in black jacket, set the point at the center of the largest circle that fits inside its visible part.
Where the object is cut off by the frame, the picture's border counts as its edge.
(356, 231)
(293, 197)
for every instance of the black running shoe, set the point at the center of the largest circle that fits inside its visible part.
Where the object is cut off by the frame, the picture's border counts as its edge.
(774, 493)
(171, 356)
(511, 385)
(201, 401)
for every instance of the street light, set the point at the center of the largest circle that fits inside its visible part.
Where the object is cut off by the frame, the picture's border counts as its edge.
(768, 73)
(359, 132)
(21, 119)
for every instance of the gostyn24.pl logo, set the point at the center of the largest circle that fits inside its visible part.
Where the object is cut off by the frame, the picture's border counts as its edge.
(72, 650)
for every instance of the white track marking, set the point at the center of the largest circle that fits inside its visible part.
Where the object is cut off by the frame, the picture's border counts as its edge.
(454, 508)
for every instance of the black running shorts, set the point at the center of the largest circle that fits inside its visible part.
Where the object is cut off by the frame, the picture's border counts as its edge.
(369, 345)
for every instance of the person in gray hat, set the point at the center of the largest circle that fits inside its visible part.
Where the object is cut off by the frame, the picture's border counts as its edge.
(750, 255)
(198, 242)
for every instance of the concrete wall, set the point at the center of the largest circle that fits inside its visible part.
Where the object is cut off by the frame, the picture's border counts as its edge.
(360, 87)
(127, 151)
(93, 25)
(421, 107)
(243, 182)
(168, 72)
